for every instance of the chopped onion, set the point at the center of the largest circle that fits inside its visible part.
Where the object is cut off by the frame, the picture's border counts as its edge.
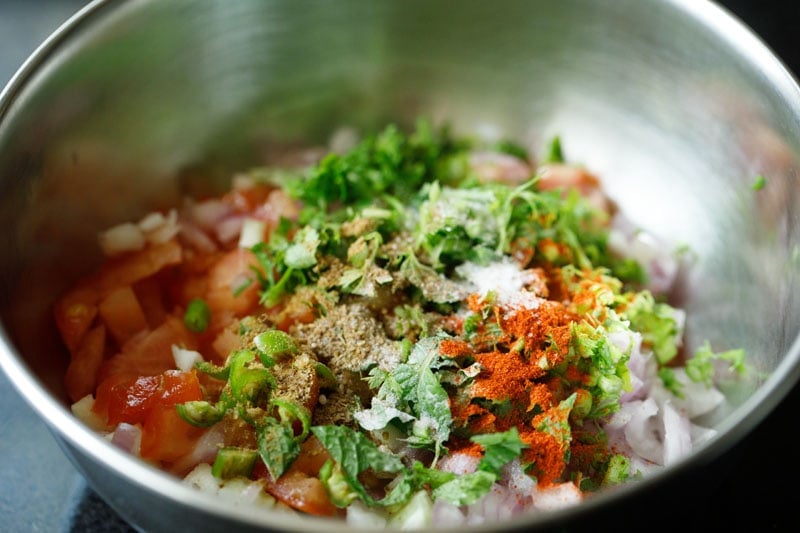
(698, 399)
(242, 182)
(126, 237)
(204, 451)
(195, 237)
(236, 491)
(644, 431)
(158, 228)
(557, 496)
(185, 359)
(207, 214)
(677, 434)
(360, 516)
(229, 228)
(496, 166)
(459, 463)
(127, 437)
(252, 232)
(82, 409)
(152, 221)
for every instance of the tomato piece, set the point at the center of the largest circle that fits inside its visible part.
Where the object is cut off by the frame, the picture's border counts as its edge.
(166, 436)
(312, 456)
(122, 313)
(131, 399)
(225, 297)
(130, 268)
(299, 487)
(150, 296)
(247, 199)
(150, 354)
(74, 313)
(298, 490)
(81, 376)
(127, 398)
(225, 343)
(178, 387)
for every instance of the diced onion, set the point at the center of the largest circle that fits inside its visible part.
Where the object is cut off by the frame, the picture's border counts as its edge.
(557, 496)
(360, 516)
(126, 237)
(197, 238)
(82, 409)
(236, 491)
(185, 359)
(127, 437)
(152, 221)
(207, 214)
(252, 232)
(158, 228)
(229, 228)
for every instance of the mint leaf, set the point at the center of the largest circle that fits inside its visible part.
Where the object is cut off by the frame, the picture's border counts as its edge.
(466, 489)
(277, 446)
(412, 395)
(354, 453)
(499, 449)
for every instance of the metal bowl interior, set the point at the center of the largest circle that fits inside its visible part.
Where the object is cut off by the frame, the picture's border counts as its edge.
(674, 104)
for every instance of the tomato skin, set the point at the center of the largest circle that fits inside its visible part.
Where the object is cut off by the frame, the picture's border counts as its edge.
(131, 399)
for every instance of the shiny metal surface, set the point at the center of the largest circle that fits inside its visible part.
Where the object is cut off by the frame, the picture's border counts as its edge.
(674, 104)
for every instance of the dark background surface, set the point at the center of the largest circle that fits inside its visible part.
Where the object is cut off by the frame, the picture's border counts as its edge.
(753, 488)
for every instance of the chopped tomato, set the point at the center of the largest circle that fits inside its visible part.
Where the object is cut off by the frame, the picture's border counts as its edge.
(299, 487)
(302, 492)
(130, 268)
(150, 401)
(122, 313)
(126, 398)
(312, 456)
(166, 436)
(247, 199)
(149, 294)
(150, 354)
(74, 313)
(228, 290)
(131, 399)
(81, 377)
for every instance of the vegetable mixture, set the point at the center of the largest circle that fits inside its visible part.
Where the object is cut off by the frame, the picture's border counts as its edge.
(415, 329)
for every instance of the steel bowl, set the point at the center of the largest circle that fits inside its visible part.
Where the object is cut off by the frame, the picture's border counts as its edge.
(674, 103)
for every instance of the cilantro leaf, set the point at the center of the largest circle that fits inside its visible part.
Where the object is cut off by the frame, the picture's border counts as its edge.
(658, 324)
(700, 368)
(387, 163)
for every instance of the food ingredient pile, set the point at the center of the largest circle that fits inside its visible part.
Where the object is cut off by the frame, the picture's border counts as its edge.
(414, 329)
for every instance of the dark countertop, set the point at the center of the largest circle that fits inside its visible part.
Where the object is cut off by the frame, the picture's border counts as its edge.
(41, 491)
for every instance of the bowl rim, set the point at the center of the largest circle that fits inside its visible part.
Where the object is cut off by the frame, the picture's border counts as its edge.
(65, 427)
